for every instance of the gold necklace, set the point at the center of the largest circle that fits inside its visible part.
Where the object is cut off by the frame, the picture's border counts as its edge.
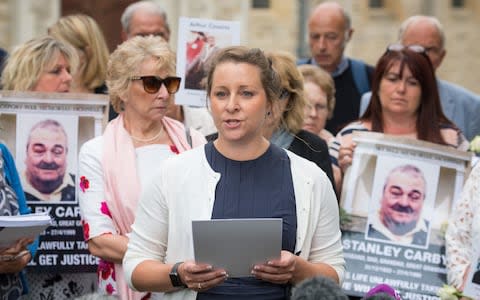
(140, 140)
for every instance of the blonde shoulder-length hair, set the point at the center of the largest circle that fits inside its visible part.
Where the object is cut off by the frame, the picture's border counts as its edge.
(292, 84)
(29, 60)
(83, 33)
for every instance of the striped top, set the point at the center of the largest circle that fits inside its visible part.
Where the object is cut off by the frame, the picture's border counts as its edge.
(452, 136)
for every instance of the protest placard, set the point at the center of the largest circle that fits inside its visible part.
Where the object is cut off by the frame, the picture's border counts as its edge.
(198, 40)
(54, 124)
(399, 193)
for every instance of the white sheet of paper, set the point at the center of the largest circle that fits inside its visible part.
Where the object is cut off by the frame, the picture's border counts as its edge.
(13, 228)
(237, 244)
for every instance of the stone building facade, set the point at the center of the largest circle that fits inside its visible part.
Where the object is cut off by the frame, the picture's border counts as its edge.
(281, 25)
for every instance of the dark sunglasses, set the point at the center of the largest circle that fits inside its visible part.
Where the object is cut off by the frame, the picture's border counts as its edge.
(151, 84)
(400, 47)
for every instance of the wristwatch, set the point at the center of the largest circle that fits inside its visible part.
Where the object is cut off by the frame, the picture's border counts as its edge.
(175, 277)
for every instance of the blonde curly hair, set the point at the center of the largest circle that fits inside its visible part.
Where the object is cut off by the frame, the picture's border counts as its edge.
(125, 61)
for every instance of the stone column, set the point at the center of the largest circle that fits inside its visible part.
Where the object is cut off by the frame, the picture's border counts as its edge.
(30, 18)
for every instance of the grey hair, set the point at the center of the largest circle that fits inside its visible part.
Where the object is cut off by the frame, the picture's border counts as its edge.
(149, 6)
(50, 124)
(347, 18)
(413, 19)
(410, 169)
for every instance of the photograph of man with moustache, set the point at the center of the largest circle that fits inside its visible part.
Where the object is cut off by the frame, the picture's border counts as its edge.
(45, 177)
(399, 218)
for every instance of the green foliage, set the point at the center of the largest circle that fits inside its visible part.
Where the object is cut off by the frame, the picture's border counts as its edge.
(345, 218)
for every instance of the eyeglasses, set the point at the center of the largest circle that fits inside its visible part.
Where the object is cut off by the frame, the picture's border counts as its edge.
(317, 107)
(151, 84)
(400, 47)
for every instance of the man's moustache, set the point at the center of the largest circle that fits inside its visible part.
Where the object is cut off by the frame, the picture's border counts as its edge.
(47, 166)
(403, 209)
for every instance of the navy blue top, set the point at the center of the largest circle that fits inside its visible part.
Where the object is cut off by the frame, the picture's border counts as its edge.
(259, 188)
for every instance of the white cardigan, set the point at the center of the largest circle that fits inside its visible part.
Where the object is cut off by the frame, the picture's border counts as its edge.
(184, 190)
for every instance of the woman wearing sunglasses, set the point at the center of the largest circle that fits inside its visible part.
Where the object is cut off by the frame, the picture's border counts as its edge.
(114, 167)
(405, 102)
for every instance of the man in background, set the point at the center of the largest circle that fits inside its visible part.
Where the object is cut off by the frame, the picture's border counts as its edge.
(401, 205)
(329, 31)
(45, 177)
(461, 106)
(144, 18)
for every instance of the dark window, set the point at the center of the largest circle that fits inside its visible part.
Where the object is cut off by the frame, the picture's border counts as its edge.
(458, 3)
(375, 3)
(260, 3)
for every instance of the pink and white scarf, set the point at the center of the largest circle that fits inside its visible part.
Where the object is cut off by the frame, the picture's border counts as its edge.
(122, 185)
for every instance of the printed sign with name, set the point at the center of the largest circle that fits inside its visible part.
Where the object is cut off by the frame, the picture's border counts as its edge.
(45, 132)
(399, 193)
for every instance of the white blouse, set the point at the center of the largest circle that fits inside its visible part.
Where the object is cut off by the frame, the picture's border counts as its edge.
(96, 217)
